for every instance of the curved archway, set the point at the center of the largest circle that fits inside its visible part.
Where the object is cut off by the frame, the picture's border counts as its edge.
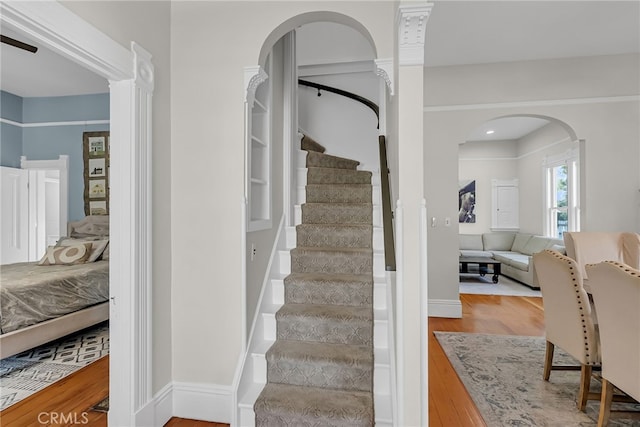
(308, 18)
(539, 155)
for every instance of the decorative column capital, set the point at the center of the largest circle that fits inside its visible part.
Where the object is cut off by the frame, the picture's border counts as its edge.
(254, 76)
(412, 23)
(143, 72)
(384, 69)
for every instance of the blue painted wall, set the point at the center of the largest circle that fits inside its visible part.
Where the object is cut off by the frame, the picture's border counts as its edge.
(49, 142)
(10, 135)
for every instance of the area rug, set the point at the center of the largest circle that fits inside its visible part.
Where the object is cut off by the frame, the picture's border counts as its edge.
(31, 371)
(102, 406)
(503, 375)
(475, 284)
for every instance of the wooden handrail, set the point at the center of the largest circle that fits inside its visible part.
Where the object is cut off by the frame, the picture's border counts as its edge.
(372, 105)
(387, 213)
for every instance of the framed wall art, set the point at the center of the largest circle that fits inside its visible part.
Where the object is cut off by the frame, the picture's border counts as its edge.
(95, 153)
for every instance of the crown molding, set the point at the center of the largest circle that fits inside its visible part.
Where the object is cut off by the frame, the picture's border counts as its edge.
(412, 23)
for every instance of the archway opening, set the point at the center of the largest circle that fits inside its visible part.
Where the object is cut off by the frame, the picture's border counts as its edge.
(519, 175)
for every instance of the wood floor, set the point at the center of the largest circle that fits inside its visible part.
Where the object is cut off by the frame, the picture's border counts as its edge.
(449, 402)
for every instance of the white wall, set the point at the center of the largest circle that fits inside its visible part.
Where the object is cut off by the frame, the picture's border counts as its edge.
(594, 96)
(345, 127)
(211, 44)
(328, 42)
(148, 24)
(482, 162)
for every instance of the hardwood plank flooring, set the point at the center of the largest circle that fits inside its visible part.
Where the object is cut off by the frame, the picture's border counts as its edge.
(449, 403)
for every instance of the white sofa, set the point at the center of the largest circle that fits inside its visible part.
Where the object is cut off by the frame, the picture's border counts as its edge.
(513, 250)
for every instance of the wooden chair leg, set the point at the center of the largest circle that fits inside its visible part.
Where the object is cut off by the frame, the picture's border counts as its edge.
(605, 403)
(548, 361)
(585, 383)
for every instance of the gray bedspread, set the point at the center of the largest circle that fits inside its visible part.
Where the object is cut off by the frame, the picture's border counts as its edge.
(31, 293)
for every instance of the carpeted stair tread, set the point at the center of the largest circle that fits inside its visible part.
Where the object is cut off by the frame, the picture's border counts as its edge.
(325, 323)
(337, 213)
(285, 405)
(332, 260)
(315, 159)
(338, 289)
(322, 288)
(309, 144)
(338, 193)
(316, 175)
(327, 365)
(334, 235)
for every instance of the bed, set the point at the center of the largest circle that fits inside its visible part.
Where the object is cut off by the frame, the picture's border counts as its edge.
(45, 300)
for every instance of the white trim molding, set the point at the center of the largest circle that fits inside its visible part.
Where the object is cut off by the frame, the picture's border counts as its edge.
(52, 124)
(529, 104)
(384, 69)
(412, 24)
(445, 308)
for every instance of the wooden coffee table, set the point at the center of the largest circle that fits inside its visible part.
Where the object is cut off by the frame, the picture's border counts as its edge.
(483, 264)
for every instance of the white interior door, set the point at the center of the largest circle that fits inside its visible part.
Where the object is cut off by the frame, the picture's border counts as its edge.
(44, 210)
(14, 212)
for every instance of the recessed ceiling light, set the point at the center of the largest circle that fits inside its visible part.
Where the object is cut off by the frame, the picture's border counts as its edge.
(489, 132)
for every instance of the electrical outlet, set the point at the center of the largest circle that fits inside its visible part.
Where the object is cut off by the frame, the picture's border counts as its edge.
(253, 251)
(447, 222)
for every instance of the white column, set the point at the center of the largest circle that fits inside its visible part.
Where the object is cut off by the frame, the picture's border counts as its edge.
(413, 405)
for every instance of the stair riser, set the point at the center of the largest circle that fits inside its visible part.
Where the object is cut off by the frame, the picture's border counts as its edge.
(328, 214)
(331, 263)
(293, 420)
(323, 375)
(338, 194)
(337, 176)
(329, 293)
(334, 237)
(340, 331)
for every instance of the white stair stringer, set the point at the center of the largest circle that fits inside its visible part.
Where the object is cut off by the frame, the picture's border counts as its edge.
(253, 376)
(383, 342)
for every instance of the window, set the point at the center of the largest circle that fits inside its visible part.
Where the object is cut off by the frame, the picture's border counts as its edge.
(562, 210)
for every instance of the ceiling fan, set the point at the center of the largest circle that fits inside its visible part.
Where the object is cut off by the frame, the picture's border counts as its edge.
(18, 44)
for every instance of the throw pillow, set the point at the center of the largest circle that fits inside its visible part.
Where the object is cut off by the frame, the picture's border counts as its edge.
(97, 245)
(66, 255)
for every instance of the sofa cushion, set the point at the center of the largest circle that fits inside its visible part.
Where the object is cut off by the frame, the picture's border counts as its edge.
(513, 259)
(475, 253)
(519, 241)
(470, 241)
(536, 244)
(501, 241)
(559, 248)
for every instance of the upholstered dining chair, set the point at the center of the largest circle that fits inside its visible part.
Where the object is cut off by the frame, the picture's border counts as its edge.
(567, 317)
(616, 295)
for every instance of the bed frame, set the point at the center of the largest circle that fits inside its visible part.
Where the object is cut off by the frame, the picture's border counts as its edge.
(32, 336)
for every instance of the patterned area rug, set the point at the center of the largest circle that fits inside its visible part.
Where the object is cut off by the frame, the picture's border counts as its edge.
(503, 375)
(472, 283)
(31, 371)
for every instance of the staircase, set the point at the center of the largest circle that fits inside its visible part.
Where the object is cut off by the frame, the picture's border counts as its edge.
(328, 354)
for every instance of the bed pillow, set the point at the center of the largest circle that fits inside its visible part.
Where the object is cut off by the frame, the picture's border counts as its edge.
(97, 245)
(66, 255)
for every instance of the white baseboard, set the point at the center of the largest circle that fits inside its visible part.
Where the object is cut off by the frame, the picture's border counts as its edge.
(158, 411)
(205, 402)
(445, 308)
